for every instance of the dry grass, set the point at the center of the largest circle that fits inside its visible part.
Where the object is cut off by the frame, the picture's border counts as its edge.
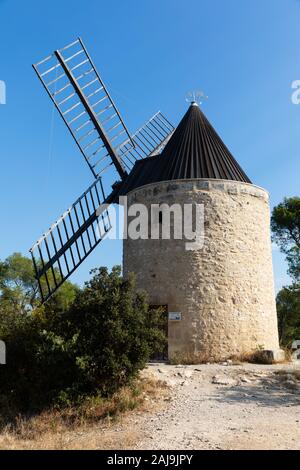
(296, 374)
(256, 357)
(288, 374)
(288, 353)
(97, 424)
(190, 358)
(289, 379)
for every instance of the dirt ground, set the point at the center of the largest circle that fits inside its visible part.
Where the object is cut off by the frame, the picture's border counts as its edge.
(225, 406)
(211, 406)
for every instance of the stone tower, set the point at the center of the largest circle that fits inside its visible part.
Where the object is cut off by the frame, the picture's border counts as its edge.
(220, 298)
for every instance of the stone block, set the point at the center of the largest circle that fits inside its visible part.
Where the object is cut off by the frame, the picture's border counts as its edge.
(269, 356)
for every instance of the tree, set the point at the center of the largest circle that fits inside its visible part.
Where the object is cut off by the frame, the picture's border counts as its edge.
(19, 289)
(288, 310)
(24, 325)
(285, 224)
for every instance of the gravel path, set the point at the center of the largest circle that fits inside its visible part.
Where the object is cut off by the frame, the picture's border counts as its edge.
(224, 407)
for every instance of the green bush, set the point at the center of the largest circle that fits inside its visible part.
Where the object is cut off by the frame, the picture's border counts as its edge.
(288, 311)
(96, 346)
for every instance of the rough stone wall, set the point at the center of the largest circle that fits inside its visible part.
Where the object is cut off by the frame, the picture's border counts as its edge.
(225, 290)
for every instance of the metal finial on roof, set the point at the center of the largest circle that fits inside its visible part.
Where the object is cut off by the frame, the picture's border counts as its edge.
(196, 97)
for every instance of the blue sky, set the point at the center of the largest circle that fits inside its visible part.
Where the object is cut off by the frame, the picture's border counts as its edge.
(243, 54)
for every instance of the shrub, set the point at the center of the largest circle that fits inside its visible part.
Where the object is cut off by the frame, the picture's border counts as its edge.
(95, 347)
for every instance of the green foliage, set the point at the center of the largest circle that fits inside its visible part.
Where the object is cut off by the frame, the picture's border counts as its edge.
(114, 337)
(95, 344)
(293, 260)
(37, 362)
(288, 310)
(17, 284)
(19, 289)
(285, 223)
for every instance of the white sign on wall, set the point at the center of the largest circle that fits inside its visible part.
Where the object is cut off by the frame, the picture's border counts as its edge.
(175, 316)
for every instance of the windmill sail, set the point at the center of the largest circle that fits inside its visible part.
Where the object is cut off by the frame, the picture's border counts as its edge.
(70, 240)
(79, 94)
(149, 140)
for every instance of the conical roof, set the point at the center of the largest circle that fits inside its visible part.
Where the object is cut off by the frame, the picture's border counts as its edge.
(194, 151)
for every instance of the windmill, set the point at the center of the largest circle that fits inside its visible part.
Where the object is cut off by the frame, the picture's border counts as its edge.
(79, 94)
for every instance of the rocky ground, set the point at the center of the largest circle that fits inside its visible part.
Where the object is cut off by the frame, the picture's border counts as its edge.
(224, 406)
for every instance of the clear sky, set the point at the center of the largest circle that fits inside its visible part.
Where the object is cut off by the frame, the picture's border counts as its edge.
(243, 53)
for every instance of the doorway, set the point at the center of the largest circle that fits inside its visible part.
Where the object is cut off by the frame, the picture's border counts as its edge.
(161, 355)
